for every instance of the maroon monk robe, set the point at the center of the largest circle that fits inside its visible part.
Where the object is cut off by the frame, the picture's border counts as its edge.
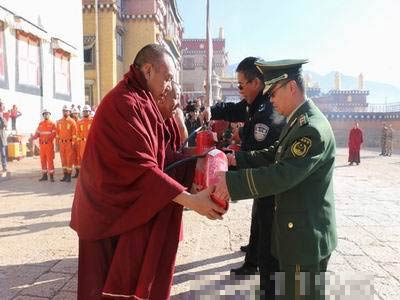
(184, 173)
(355, 141)
(127, 224)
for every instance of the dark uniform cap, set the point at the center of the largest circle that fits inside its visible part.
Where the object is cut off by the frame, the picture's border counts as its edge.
(278, 70)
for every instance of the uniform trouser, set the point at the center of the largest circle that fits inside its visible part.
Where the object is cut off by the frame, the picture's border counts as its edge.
(259, 250)
(301, 281)
(66, 154)
(389, 147)
(76, 160)
(3, 155)
(383, 146)
(82, 145)
(47, 158)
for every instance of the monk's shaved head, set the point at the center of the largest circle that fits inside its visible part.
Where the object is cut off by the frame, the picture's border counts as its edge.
(157, 67)
(150, 54)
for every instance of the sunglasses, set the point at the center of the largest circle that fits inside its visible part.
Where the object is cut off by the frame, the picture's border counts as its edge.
(240, 86)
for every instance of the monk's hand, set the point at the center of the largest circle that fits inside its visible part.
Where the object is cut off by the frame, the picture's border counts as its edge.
(221, 189)
(231, 159)
(206, 207)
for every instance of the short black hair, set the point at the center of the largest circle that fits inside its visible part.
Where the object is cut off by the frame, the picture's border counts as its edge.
(151, 53)
(249, 69)
(300, 82)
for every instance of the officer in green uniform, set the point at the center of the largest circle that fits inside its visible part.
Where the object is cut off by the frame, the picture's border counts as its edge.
(298, 170)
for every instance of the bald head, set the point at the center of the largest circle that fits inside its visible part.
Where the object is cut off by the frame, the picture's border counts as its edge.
(157, 67)
(150, 54)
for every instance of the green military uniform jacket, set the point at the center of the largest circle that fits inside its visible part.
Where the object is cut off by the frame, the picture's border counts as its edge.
(298, 170)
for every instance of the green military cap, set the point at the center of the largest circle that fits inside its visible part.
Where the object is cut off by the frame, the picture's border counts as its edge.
(275, 71)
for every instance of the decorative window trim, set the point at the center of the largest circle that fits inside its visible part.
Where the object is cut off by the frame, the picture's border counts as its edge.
(4, 82)
(22, 87)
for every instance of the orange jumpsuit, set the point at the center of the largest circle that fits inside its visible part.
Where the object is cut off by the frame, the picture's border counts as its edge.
(66, 137)
(76, 161)
(46, 132)
(83, 128)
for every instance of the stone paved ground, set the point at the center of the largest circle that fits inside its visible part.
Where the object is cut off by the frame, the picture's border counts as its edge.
(38, 251)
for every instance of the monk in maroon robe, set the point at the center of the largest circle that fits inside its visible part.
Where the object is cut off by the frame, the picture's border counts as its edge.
(127, 210)
(355, 141)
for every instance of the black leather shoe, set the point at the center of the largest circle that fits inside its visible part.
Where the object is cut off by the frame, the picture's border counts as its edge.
(76, 173)
(44, 177)
(246, 269)
(68, 179)
(64, 178)
(244, 248)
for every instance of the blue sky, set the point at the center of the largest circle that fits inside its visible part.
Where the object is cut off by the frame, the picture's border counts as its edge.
(350, 36)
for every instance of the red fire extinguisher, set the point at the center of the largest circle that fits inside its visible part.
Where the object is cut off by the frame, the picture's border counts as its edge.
(207, 167)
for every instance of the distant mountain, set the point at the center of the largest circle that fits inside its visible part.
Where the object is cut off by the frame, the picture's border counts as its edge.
(377, 90)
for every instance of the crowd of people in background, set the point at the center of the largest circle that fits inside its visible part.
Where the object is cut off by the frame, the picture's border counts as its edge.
(70, 134)
(228, 133)
(12, 114)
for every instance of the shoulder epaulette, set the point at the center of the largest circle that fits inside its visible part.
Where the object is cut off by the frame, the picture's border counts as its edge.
(302, 119)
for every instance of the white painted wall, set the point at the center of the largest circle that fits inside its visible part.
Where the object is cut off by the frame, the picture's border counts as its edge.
(63, 20)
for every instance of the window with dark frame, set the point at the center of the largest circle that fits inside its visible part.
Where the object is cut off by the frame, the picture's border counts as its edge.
(188, 63)
(119, 45)
(88, 55)
(89, 95)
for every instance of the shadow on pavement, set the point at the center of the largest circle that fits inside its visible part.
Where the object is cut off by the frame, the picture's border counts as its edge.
(343, 166)
(212, 260)
(181, 278)
(31, 228)
(26, 279)
(27, 215)
(19, 184)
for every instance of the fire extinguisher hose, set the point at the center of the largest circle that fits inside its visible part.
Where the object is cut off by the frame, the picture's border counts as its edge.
(182, 161)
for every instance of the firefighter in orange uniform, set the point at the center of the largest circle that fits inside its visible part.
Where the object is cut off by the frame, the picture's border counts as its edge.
(83, 128)
(66, 138)
(46, 132)
(76, 162)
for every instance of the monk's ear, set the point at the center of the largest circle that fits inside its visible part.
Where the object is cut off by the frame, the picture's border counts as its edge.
(147, 69)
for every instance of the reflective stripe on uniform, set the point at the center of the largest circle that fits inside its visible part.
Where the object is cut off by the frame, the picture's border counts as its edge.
(248, 182)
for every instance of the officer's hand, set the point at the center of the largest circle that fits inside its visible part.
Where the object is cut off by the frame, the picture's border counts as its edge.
(203, 205)
(231, 159)
(206, 115)
(221, 189)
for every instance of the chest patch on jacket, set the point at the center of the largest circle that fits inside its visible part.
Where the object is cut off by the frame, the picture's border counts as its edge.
(300, 147)
(260, 131)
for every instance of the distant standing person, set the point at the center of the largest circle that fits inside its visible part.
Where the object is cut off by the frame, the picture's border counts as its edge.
(355, 141)
(384, 138)
(389, 141)
(192, 123)
(14, 114)
(46, 132)
(3, 139)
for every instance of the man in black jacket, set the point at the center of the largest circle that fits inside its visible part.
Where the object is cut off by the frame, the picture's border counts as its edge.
(261, 129)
